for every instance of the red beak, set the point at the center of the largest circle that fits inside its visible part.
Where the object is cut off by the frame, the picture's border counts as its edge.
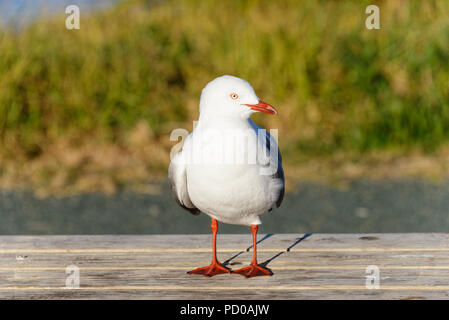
(263, 107)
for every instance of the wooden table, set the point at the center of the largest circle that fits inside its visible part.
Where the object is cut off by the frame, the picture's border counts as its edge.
(317, 266)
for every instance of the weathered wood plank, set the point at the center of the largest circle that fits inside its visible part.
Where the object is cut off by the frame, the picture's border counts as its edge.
(229, 241)
(184, 261)
(412, 266)
(172, 278)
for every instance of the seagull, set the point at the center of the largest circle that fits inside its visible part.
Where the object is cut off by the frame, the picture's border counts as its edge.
(229, 168)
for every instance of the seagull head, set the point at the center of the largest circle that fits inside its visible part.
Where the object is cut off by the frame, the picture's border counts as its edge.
(231, 97)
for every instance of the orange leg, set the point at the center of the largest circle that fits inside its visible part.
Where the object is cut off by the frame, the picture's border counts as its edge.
(254, 270)
(215, 267)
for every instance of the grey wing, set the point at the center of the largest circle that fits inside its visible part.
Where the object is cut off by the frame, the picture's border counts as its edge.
(280, 175)
(270, 143)
(178, 182)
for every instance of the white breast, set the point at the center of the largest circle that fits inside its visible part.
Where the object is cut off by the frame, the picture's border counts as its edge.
(225, 177)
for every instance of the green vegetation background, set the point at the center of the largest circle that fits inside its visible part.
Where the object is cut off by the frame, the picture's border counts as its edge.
(138, 69)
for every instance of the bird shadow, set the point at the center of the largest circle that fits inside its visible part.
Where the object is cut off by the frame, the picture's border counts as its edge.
(228, 262)
(266, 262)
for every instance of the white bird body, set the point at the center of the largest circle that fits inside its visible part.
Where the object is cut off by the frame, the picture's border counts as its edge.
(228, 168)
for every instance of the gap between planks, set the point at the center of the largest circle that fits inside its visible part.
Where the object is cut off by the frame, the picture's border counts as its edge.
(193, 250)
(222, 288)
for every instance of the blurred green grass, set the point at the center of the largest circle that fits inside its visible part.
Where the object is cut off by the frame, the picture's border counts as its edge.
(338, 86)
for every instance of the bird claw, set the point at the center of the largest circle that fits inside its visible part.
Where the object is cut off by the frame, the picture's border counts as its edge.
(212, 270)
(253, 270)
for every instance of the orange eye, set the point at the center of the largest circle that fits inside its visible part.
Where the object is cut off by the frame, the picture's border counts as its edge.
(234, 96)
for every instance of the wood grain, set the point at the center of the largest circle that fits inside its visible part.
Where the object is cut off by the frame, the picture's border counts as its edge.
(318, 266)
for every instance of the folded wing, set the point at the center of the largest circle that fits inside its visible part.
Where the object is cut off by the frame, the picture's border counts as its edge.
(275, 158)
(178, 183)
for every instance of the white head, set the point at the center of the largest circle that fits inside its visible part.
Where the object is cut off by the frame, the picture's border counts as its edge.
(231, 97)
